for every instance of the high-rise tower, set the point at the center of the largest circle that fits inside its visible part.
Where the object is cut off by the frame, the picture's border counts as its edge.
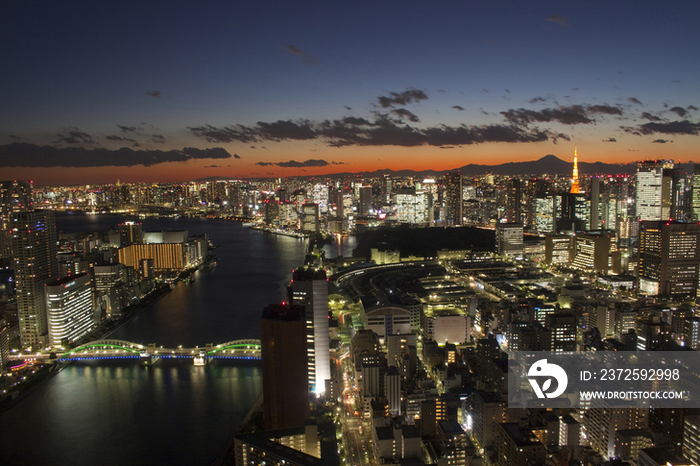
(309, 288)
(35, 253)
(574, 178)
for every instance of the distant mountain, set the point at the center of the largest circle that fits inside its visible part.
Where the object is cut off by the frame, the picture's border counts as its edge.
(547, 165)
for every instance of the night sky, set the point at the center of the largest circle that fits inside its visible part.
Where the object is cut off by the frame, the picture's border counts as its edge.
(93, 92)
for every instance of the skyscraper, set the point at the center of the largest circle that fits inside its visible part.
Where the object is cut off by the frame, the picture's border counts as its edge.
(365, 196)
(69, 309)
(654, 189)
(35, 254)
(513, 198)
(309, 288)
(453, 199)
(15, 197)
(669, 258)
(284, 360)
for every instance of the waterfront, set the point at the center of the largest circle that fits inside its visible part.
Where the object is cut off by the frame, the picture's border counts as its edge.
(114, 412)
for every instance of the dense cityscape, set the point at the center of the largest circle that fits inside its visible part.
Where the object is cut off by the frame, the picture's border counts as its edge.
(398, 353)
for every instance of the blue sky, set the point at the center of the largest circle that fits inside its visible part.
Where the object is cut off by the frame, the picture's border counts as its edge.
(77, 73)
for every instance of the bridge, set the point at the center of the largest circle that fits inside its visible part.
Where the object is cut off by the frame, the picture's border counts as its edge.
(146, 354)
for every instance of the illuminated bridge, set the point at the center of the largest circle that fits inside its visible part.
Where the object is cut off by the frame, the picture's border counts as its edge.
(148, 354)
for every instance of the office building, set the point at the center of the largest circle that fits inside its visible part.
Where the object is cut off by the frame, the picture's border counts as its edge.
(35, 254)
(309, 218)
(305, 445)
(691, 438)
(453, 199)
(309, 288)
(669, 258)
(592, 251)
(130, 233)
(284, 361)
(602, 421)
(411, 206)
(4, 345)
(15, 197)
(654, 189)
(513, 200)
(69, 309)
(365, 197)
(509, 240)
(557, 249)
(518, 446)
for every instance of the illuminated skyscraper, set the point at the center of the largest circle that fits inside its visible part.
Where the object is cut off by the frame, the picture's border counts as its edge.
(69, 309)
(669, 258)
(15, 197)
(453, 199)
(309, 288)
(35, 253)
(654, 189)
(574, 178)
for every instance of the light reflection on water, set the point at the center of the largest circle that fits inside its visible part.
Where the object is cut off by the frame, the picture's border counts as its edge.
(115, 412)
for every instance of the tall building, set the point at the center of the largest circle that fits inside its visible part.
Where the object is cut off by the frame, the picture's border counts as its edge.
(365, 197)
(411, 206)
(309, 218)
(284, 366)
(69, 309)
(130, 233)
(669, 258)
(35, 252)
(15, 197)
(453, 199)
(592, 251)
(309, 288)
(595, 203)
(696, 193)
(574, 178)
(513, 199)
(654, 189)
(509, 239)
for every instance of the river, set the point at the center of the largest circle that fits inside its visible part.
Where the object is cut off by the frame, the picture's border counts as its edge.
(117, 413)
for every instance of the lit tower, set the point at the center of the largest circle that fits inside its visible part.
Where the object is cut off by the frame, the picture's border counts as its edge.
(574, 179)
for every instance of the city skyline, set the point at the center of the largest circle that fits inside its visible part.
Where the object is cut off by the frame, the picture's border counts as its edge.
(275, 90)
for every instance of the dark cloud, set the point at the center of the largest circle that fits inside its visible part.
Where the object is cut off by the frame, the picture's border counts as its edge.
(485, 91)
(295, 164)
(457, 107)
(634, 100)
(73, 135)
(677, 81)
(560, 20)
(305, 58)
(692, 107)
(507, 91)
(446, 147)
(661, 141)
(338, 163)
(572, 115)
(610, 140)
(158, 139)
(155, 94)
(671, 127)
(119, 138)
(537, 99)
(381, 130)
(404, 114)
(129, 129)
(680, 111)
(650, 117)
(575, 89)
(402, 98)
(15, 137)
(212, 166)
(31, 155)
(347, 108)
(236, 156)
